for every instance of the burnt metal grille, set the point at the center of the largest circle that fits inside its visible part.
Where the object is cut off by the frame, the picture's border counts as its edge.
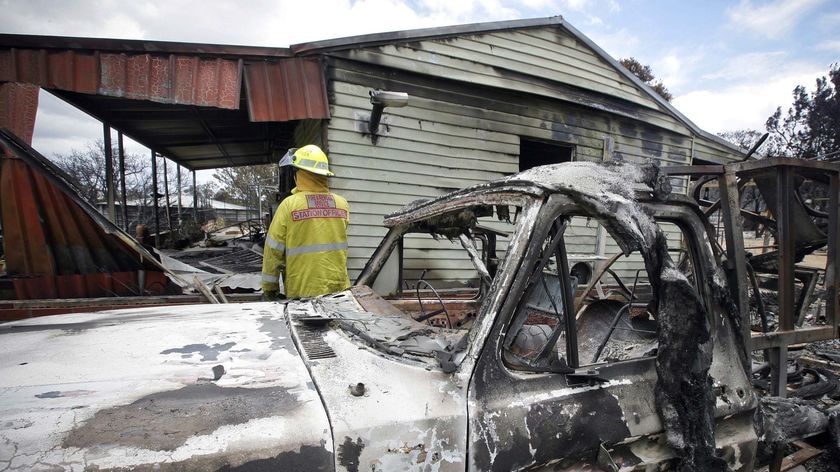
(313, 342)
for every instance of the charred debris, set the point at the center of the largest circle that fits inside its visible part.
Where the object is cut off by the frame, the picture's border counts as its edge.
(772, 226)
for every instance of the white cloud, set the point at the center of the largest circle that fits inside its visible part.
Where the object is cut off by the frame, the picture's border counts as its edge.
(537, 4)
(59, 127)
(575, 5)
(747, 105)
(772, 20)
(617, 43)
(752, 66)
(676, 69)
(593, 20)
(830, 45)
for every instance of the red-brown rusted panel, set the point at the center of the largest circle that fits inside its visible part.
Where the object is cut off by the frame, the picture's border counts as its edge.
(54, 248)
(65, 70)
(164, 78)
(186, 80)
(69, 70)
(18, 107)
(290, 89)
(23, 235)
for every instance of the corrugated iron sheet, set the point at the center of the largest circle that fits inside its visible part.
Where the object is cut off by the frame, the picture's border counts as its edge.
(163, 78)
(187, 80)
(64, 70)
(279, 89)
(54, 247)
(289, 89)
(18, 107)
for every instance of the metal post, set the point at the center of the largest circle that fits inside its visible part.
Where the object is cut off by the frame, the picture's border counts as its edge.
(259, 203)
(735, 258)
(109, 171)
(178, 181)
(166, 193)
(195, 199)
(832, 267)
(122, 180)
(155, 197)
(787, 248)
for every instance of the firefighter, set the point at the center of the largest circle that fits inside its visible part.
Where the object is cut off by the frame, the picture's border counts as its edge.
(307, 238)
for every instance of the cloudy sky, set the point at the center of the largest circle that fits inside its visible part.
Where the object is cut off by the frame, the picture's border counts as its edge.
(729, 64)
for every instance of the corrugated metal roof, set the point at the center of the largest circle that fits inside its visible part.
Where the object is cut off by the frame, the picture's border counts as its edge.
(56, 246)
(63, 70)
(289, 89)
(163, 78)
(182, 100)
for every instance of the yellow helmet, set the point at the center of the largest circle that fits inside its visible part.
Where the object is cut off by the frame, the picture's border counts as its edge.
(309, 158)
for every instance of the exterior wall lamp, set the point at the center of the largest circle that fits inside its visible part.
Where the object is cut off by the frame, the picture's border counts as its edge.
(381, 99)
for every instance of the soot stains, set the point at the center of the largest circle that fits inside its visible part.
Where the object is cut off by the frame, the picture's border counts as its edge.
(277, 330)
(349, 452)
(164, 421)
(207, 353)
(315, 458)
(597, 420)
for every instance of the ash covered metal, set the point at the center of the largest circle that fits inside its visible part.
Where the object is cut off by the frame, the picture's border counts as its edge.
(684, 393)
(353, 381)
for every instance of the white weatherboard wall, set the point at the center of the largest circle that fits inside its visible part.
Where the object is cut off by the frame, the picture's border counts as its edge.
(430, 148)
(471, 100)
(422, 156)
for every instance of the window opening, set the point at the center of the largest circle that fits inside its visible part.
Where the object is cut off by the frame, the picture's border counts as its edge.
(563, 323)
(534, 153)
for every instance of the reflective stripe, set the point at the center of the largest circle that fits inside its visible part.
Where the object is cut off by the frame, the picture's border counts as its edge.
(273, 244)
(313, 163)
(296, 251)
(270, 279)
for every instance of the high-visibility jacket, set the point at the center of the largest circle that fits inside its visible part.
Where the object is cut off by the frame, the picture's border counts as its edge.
(307, 241)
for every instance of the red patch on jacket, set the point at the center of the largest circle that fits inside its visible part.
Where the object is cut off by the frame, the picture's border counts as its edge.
(319, 213)
(320, 201)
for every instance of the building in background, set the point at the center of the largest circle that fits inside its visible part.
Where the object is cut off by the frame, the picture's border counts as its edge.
(483, 101)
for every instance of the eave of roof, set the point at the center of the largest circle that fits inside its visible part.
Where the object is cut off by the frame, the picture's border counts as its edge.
(369, 40)
(141, 46)
(269, 57)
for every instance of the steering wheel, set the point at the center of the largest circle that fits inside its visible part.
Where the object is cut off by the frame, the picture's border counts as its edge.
(425, 316)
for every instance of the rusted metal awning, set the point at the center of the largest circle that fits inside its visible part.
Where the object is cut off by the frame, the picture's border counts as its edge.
(188, 102)
(57, 245)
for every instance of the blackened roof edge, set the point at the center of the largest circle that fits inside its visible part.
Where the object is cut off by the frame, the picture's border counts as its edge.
(350, 42)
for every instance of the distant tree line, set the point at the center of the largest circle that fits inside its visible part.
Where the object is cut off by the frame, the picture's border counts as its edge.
(86, 169)
(247, 185)
(808, 129)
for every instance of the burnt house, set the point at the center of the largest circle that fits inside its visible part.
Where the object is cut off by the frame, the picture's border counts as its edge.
(483, 101)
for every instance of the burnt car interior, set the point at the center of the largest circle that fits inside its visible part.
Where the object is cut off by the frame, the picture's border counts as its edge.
(447, 289)
(433, 301)
(600, 313)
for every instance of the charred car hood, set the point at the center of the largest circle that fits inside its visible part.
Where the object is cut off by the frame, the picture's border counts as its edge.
(390, 402)
(204, 387)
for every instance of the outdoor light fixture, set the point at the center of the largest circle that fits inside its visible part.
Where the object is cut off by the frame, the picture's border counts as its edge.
(381, 99)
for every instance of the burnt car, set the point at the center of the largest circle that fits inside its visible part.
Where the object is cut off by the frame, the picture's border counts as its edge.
(570, 317)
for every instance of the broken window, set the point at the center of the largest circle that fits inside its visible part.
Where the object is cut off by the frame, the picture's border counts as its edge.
(441, 267)
(583, 284)
(534, 153)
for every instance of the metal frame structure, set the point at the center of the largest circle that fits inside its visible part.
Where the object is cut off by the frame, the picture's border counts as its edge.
(784, 171)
